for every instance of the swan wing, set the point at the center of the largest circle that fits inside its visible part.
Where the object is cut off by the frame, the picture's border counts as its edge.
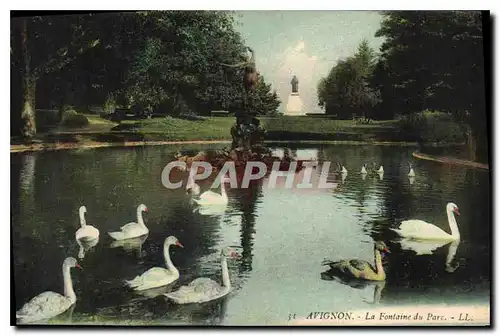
(416, 228)
(129, 227)
(43, 306)
(360, 265)
(87, 233)
(199, 290)
(209, 197)
(156, 274)
(155, 277)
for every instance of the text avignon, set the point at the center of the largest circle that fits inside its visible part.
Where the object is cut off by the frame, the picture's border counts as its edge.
(329, 316)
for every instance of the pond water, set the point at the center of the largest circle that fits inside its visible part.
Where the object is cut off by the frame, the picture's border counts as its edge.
(282, 234)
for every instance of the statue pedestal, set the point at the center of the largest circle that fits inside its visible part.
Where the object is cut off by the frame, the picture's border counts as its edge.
(294, 105)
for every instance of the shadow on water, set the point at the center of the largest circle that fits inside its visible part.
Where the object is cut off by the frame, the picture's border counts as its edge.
(281, 233)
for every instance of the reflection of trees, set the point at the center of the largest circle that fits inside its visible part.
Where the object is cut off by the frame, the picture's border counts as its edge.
(15, 184)
(27, 174)
(246, 201)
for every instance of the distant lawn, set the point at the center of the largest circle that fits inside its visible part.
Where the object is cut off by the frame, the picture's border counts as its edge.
(321, 125)
(95, 119)
(214, 128)
(218, 128)
(283, 128)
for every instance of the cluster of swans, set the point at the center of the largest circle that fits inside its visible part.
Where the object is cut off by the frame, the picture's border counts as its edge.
(415, 234)
(341, 169)
(50, 304)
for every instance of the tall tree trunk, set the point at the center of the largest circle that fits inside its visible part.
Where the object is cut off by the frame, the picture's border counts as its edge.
(28, 120)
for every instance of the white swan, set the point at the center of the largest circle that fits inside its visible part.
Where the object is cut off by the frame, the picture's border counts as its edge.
(419, 229)
(363, 170)
(86, 232)
(411, 173)
(209, 197)
(50, 304)
(192, 187)
(157, 276)
(132, 230)
(344, 171)
(205, 289)
(381, 170)
(411, 180)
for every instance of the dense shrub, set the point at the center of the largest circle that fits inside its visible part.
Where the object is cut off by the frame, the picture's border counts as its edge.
(69, 113)
(46, 120)
(431, 126)
(75, 120)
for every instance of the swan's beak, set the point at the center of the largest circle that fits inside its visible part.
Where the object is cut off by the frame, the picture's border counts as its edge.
(178, 243)
(456, 211)
(386, 250)
(78, 266)
(235, 255)
(145, 209)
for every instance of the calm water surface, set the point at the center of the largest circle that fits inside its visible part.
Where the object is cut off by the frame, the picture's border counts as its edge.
(282, 234)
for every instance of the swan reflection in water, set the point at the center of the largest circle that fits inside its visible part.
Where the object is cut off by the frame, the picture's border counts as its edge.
(163, 312)
(211, 210)
(423, 247)
(411, 179)
(207, 313)
(86, 246)
(155, 292)
(378, 286)
(131, 245)
(343, 176)
(64, 318)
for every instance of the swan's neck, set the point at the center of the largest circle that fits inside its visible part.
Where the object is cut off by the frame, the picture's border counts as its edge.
(453, 225)
(378, 263)
(168, 261)
(82, 219)
(139, 218)
(68, 284)
(225, 273)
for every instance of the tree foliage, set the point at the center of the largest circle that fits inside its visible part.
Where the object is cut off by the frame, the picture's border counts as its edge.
(434, 60)
(346, 91)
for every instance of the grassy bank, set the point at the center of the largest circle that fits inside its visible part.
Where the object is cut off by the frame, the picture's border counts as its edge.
(163, 130)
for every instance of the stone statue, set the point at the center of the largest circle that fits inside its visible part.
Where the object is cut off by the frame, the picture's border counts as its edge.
(295, 84)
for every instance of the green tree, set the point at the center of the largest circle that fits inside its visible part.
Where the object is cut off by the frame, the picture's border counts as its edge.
(346, 91)
(42, 45)
(434, 60)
